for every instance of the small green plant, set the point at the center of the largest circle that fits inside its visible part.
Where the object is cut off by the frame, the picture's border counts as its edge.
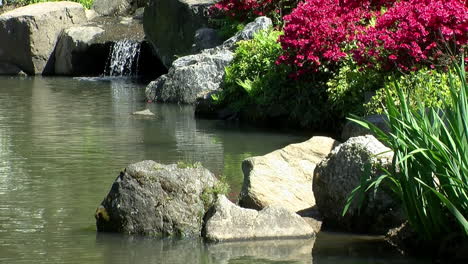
(430, 165)
(221, 187)
(188, 165)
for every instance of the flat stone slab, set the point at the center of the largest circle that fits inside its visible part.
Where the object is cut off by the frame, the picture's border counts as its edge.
(228, 222)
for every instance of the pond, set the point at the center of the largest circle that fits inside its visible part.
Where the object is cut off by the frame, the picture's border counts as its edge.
(62, 143)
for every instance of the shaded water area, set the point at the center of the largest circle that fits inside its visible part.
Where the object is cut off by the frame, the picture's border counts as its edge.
(62, 143)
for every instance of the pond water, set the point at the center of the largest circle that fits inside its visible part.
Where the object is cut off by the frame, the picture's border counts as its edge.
(62, 143)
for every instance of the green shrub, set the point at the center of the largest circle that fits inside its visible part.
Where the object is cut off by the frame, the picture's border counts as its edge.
(261, 90)
(429, 87)
(430, 165)
(350, 86)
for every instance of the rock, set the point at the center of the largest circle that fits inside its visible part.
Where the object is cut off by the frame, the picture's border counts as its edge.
(29, 34)
(191, 77)
(10, 69)
(352, 129)
(206, 38)
(112, 7)
(91, 14)
(226, 221)
(78, 52)
(170, 25)
(145, 112)
(139, 13)
(195, 76)
(259, 24)
(339, 173)
(158, 200)
(284, 177)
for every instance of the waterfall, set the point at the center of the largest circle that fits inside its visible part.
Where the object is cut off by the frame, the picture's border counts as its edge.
(123, 59)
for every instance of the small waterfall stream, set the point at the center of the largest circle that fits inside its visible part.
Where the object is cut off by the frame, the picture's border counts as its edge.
(123, 59)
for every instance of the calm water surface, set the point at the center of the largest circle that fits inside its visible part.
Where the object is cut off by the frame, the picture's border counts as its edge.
(62, 143)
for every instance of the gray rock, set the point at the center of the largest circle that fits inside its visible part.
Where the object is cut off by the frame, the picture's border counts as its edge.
(340, 172)
(170, 26)
(226, 221)
(191, 77)
(29, 34)
(74, 52)
(155, 199)
(284, 177)
(112, 7)
(206, 38)
(352, 129)
(91, 14)
(195, 76)
(259, 24)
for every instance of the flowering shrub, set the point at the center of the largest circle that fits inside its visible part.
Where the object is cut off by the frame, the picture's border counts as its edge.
(320, 33)
(414, 33)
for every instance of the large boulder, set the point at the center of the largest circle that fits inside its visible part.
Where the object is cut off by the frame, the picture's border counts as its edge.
(117, 7)
(159, 200)
(284, 177)
(79, 53)
(226, 221)
(29, 34)
(340, 173)
(191, 77)
(196, 76)
(170, 25)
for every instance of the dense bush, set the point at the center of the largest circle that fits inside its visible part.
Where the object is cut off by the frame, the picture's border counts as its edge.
(399, 35)
(414, 33)
(431, 88)
(258, 89)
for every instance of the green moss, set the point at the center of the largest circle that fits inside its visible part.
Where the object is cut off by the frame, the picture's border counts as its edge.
(189, 165)
(221, 187)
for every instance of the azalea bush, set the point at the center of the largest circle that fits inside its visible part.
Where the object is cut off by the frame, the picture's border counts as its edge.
(392, 35)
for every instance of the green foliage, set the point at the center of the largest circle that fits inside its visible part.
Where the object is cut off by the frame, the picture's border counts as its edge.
(188, 165)
(86, 3)
(429, 87)
(227, 27)
(350, 85)
(430, 165)
(221, 187)
(259, 89)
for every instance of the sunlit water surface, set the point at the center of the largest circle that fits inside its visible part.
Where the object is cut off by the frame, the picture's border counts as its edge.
(62, 143)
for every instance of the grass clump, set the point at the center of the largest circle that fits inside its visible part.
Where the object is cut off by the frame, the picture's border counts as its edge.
(209, 195)
(429, 173)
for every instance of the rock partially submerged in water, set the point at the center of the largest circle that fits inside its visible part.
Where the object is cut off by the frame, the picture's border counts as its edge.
(284, 177)
(29, 34)
(79, 53)
(149, 198)
(227, 221)
(145, 112)
(196, 76)
(340, 172)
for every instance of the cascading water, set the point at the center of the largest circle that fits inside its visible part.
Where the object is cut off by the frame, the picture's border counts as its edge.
(123, 60)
